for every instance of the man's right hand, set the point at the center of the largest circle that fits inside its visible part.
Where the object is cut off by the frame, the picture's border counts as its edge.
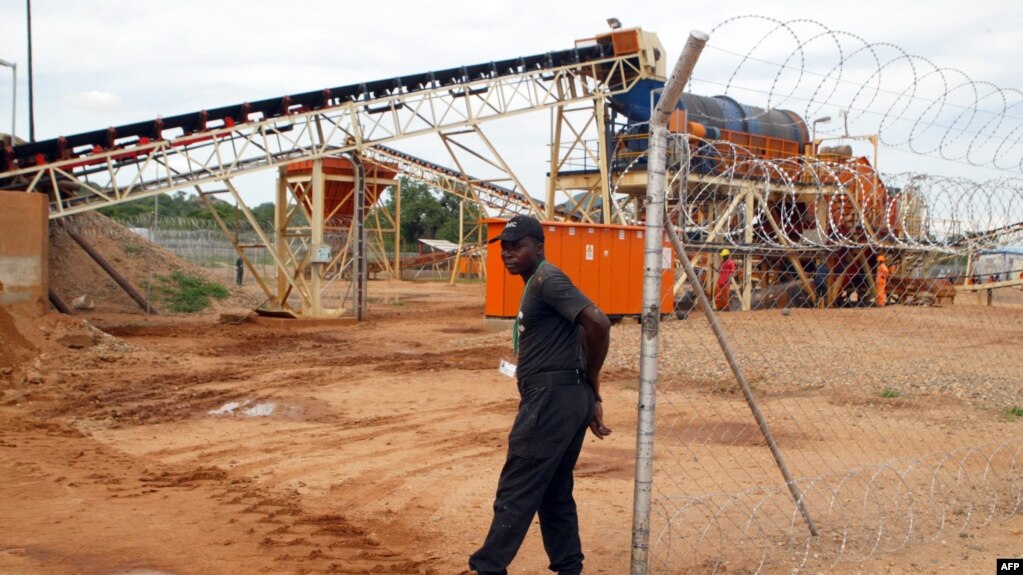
(597, 423)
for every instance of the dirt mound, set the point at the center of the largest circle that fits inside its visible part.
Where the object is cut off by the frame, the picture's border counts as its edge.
(14, 348)
(29, 340)
(73, 273)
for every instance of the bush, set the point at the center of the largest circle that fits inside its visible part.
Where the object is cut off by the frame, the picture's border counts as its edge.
(890, 393)
(188, 294)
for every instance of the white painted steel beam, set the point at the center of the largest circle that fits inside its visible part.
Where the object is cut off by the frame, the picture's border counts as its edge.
(109, 177)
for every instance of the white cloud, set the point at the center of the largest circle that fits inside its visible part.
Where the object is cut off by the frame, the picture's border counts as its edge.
(99, 64)
(92, 101)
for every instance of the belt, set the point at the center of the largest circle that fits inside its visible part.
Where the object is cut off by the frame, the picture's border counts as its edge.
(552, 378)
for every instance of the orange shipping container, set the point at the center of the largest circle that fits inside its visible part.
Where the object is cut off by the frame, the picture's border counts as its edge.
(604, 261)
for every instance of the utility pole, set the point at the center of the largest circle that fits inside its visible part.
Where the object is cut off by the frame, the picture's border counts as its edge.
(31, 101)
(14, 94)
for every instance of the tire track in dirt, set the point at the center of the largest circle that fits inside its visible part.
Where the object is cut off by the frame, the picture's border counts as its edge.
(321, 543)
(252, 482)
(382, 485)
(302, 452)
(275, 522)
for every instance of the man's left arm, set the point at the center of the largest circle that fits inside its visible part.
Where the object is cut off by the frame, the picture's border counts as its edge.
(596, 339)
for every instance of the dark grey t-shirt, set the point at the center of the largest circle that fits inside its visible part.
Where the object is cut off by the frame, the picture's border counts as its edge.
(548, 337)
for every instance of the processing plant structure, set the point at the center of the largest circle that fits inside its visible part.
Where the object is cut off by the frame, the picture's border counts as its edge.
(751, 180)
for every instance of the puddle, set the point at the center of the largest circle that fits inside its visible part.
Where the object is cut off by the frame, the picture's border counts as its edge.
(261, 410)
(226, 409)
(255, 410)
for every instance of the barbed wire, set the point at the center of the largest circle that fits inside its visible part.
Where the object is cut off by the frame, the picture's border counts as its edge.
(890, 384)
(908, 101)
(853, 207)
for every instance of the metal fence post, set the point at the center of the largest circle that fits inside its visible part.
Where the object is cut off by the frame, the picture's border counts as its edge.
(654, 242)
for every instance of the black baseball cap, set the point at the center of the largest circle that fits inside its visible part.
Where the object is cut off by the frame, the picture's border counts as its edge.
(520, 227)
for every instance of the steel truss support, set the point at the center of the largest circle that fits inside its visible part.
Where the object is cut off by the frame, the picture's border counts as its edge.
(471, 246)
(106, 177)
(459, 149)
(579, 172)
(492, 199)
(740, 214)
(304, 224)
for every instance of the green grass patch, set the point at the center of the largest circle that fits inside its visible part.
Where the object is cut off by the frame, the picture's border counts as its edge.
(185, 293)
(133, 248)
(1014, 412)
(890, 393)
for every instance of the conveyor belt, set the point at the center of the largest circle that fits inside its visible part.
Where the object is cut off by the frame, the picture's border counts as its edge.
(500, 198)
(46, 151)
(126, 163)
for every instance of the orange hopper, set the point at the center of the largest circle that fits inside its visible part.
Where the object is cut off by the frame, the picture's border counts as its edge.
(338, 193)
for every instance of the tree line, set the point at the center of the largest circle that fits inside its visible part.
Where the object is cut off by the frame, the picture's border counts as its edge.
(426, 213)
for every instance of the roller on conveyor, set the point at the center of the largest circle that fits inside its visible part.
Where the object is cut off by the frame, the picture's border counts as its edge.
(83, 144)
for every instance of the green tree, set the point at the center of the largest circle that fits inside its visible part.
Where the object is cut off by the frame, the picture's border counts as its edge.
(264, 213)
(427, 213)
(182, 210)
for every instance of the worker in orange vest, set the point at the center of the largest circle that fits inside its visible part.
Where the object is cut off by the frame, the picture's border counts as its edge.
(723, 293)
(881, 281)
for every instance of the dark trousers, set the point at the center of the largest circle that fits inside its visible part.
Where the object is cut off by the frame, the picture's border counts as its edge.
(543, 447)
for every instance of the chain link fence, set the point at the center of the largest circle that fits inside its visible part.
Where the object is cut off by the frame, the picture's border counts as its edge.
(886, 365)
(877, 318)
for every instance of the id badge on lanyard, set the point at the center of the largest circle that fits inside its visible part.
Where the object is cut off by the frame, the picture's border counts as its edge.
(507, 368)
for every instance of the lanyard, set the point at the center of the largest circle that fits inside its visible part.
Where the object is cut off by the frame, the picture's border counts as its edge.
(515, 327)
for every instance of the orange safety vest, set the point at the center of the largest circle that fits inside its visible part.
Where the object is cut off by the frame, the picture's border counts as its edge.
(881, 283)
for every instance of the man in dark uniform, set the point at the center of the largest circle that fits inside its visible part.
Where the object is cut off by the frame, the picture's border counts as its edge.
(820, 281)
(561, 339)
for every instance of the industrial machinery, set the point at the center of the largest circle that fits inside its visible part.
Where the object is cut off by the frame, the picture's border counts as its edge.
(741, 176)
(749, 179)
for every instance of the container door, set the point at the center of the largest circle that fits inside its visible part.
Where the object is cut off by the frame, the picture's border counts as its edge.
(667, 277)
(622, 270)
(605, 257)
(570, 261)
(589, 265)
(496, 273)
(552, 243)
(635, 239)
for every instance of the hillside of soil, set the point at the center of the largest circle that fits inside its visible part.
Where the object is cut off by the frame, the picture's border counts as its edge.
(73, 273)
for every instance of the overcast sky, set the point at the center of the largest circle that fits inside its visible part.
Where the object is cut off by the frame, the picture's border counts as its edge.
(103, 63)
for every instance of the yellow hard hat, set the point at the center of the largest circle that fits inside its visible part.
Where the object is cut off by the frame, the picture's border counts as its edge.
(725, 252)
(881, 258)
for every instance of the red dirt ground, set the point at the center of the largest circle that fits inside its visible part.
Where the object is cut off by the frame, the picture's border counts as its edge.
(381, 454)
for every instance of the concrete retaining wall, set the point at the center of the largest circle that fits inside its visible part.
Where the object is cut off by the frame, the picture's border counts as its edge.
(24, 249)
